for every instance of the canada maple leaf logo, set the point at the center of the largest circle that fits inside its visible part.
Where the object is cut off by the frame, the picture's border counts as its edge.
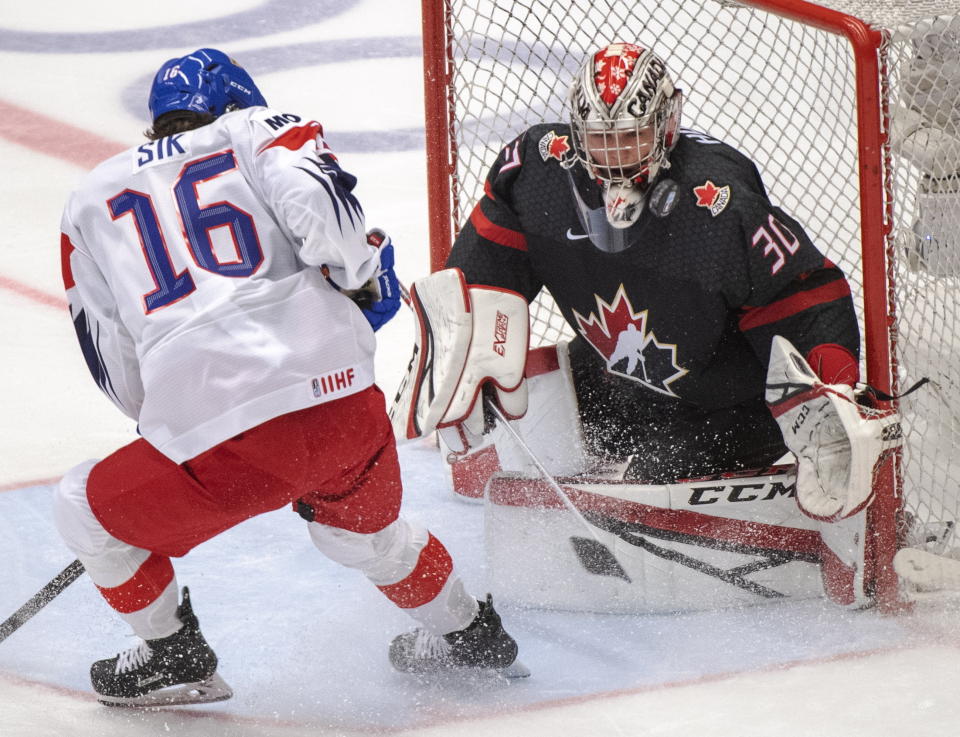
(619, 334)
(714, 198)
(552, 146)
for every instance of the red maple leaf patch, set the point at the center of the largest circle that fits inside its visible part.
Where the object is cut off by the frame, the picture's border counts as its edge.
(552, 146)
(712, 197)
(559, 146)
(706, 194)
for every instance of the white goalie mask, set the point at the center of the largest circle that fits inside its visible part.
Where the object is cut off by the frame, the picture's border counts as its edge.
(625, 120)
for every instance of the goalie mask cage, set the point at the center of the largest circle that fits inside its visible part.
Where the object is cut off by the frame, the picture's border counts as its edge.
(851, 113)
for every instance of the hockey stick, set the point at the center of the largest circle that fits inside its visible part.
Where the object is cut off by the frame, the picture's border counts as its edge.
(39, 600)
(593, 555)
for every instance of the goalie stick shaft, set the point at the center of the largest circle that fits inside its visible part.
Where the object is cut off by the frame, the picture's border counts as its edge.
(39, 600)
(593, 554)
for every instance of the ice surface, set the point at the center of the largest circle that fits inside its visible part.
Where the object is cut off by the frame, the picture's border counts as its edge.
(303, 642)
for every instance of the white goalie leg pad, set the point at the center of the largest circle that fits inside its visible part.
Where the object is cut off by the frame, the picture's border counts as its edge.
(836, 441)
(927, 571)
(469, 338)
(846, 549)
(550, 428)
(725, 540)
(936, 230)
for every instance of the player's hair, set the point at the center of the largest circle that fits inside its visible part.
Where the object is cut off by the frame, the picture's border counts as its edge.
(178, 121)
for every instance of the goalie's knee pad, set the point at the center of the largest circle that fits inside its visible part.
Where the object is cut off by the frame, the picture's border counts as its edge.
(935, 150)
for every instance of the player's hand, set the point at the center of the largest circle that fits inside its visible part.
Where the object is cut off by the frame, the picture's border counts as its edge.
(381, 302)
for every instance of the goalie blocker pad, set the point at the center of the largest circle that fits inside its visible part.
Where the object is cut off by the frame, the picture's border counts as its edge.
(469, 339)
(839, 444)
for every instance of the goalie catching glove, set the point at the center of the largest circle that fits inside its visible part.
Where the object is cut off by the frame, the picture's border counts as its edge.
(837, 441)
(470, 340)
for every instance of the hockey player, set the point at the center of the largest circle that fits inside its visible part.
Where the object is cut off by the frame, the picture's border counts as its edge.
(225, 296)
(677, 274)
(636, 225)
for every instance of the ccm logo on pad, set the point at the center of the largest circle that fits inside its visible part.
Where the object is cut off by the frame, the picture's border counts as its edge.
(742, 492)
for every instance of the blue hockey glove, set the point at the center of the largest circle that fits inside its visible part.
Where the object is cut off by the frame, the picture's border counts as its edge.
(386, 299)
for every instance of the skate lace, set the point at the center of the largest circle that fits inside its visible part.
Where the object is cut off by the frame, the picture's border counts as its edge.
(428, 646)
(133, 658)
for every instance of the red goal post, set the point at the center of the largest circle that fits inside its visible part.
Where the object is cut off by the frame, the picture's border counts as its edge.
(827, 99)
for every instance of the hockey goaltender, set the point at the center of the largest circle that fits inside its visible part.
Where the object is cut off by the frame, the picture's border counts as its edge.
(712, 337)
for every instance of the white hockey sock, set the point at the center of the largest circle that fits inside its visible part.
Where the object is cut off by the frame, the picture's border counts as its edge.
(410, 566)
(139, 585)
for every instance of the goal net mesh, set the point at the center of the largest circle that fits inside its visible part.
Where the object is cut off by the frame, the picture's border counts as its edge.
(784, 93)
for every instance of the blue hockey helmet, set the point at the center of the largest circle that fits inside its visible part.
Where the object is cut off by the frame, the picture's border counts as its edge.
(206, 81)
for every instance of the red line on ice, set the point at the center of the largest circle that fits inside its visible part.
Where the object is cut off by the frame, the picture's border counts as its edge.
(63, 141)
(25, 290)
(503, 714)
(25, 484)
(52, 137)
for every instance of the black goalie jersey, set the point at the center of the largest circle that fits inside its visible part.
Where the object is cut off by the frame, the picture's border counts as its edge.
(689, 309)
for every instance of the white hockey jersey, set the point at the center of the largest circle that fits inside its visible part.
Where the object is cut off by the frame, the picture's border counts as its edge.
(192, 269)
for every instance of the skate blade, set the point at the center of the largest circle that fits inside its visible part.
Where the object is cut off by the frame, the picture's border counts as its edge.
(515, 670)
(459, 672)
(212, 689)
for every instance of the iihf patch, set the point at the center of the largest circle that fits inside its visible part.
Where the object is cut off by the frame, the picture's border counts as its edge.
(663, 198)
(714, 198)
(552, 146)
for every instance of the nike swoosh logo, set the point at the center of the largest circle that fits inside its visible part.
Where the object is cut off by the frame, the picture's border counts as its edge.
(575, 236)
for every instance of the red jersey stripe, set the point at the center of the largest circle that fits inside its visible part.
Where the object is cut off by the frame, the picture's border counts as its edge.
(296, 137)
(66, 248)
(497, 233)
(425, 581)
(794, 304)
(143, 588)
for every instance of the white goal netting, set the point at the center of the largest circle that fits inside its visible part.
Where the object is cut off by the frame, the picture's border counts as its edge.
(785, 93)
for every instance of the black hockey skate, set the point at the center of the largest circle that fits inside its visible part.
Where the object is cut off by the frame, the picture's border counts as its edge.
(483, 645)
(179, 669)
